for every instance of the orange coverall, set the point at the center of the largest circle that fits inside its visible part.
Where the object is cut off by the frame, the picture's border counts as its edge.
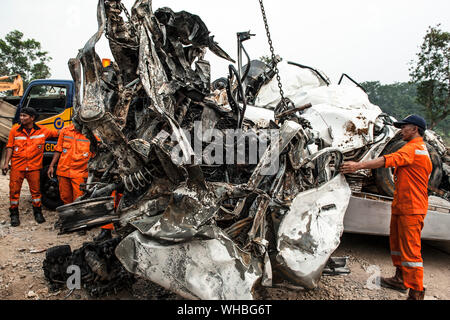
(410, 205)
(117, 196)
(72, 166)
(26, 161)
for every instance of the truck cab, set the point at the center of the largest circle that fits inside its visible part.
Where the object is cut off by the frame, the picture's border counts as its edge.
(53, 101)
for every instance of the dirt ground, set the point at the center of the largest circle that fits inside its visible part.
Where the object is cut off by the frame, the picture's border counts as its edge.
(22, 251)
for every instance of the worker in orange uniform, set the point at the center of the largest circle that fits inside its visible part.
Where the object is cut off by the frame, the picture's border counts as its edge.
(73, 153)
(413, 168)
(25, 150)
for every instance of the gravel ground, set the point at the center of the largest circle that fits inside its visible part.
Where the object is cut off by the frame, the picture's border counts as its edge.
(23, 251)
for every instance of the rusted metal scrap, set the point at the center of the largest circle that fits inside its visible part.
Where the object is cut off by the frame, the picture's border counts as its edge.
(204, 229)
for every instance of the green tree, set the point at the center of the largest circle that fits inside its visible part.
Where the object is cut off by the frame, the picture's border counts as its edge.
(24, 57)
(266, 59)
(431, 73)
(400, 100)
(397, 99)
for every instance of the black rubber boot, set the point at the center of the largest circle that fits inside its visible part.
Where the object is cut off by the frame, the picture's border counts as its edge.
(105, 234)
(37, 211)
(14, 215)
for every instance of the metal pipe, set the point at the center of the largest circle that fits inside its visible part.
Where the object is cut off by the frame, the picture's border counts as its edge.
(312, 69)
(357, 84)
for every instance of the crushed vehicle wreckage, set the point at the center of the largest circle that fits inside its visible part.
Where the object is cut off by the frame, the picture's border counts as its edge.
(226, 185)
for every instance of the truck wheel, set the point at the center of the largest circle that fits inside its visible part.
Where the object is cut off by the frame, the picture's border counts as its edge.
(50, 191)
(384, 177)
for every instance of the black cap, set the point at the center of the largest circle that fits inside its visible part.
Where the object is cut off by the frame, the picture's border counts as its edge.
(29, 111)
(412, 119)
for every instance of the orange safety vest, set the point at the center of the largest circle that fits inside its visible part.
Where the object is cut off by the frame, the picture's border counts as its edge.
(413, 168)
(75, 153)
(28, 148)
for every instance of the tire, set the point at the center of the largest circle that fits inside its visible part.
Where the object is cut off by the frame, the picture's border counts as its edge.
(58, 251)
(220, 83)
(50, 191)
(384, 177)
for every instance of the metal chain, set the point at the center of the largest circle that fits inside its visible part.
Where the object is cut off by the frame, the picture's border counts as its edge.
(127, 14)
(125, 45)
(272, 50)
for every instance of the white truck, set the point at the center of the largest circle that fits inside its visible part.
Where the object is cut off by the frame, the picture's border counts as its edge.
(371, 214)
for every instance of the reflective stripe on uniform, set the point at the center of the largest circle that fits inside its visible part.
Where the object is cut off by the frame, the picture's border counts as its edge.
(395, 253)
(422, 152)
(36, 200)
(38, 137)
(14, 202)
(413, 264)
(83, 140)
(67, 137)
(20, 138)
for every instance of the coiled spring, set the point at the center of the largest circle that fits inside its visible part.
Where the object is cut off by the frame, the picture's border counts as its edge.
(137, 180)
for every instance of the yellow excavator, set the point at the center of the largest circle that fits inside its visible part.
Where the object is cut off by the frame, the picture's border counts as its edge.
(16, 86)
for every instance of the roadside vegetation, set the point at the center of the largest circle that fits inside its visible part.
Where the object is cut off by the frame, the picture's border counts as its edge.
(400, 100)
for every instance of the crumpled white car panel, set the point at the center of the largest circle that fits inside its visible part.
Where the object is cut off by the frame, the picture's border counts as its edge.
(311, 231)
(342, 115)
(346, 129)
(213, 269)
(294, 80)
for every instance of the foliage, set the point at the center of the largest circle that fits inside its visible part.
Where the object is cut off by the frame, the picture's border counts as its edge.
(266, 59)
(431, 74)
(399, 100)
(24, 57)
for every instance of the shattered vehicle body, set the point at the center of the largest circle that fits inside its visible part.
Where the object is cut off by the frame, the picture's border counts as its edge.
(226, 188)
(342, 117)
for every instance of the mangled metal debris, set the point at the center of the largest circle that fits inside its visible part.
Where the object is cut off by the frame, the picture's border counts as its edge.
(311, 231)
(88, 213)
(100, 273)
(220, 196)
(212, 268)
(336, 266)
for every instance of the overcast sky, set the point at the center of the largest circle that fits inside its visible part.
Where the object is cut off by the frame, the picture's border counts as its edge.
(369, 40)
